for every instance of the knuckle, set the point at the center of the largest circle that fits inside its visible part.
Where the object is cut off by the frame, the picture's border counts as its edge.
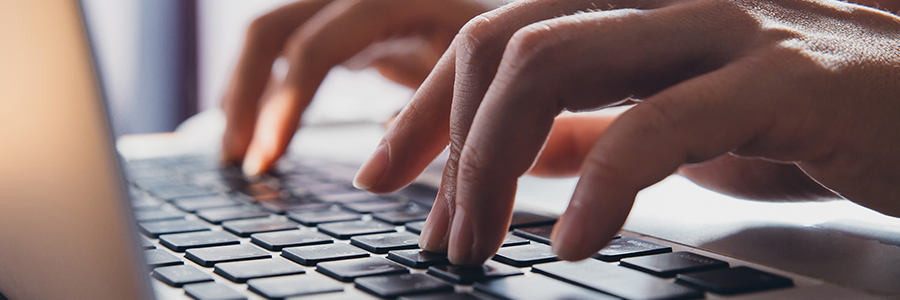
(534, 40)
(658, 116)
(264, 34)
(259, 30)
(477, 32)
(660, 120)
(261, 24)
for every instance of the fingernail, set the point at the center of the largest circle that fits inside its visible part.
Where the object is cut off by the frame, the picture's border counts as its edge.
(462, 240)
(252, 165)
(434, 233)
(372, 171)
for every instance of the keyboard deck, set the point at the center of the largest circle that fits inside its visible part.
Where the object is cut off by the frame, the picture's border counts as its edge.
(303, 231)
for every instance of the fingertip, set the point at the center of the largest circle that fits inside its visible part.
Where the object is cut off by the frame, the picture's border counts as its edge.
(562, 240)
(253, 165)
(258, 159)
(434, 235)
(234, 145)
(372, 170)
(462, 240)
(468, 247)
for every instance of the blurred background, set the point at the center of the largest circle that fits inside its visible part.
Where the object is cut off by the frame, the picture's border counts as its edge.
(163, 61)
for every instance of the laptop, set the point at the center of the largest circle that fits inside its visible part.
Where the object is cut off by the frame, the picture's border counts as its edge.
(79, 221)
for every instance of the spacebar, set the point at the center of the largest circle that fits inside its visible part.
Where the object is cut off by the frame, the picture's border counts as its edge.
(617, 281)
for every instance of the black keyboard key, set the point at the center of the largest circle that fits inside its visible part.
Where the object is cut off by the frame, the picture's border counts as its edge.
(157, 215)
(617, 281)
(536, 287)
(208, 257)
(382, 243)
(540, 234)
(172, 192)
(182, 241)
(444, 296)
(242, 271)
(161, 258)
(313, 218)
(154, 229)
(374, 206)
(669, 264)
(400, 217)
(514, 240)
(244, 228)
(415, 227)
(468, 275)
(734, 280)
(347, 270)
(275, 241)
(419, 259)
(322, 188)
(421, 194)
(212, 291)
(219, 215)
(630, 247)
(346, 230)
(525, 255)
(149, 182)
(393, 286)
(146, 244)
(312, 255)
(205, 202)
(346, 197)
(297, 285)
(178, 276)
(527, 219)
(280, 206)
(142, 202)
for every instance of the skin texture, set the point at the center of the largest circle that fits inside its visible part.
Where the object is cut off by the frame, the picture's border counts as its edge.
(771, 100)
(313, 36)
(800, 91)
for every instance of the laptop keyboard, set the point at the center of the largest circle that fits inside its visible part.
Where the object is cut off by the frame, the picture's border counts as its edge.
(302, 230)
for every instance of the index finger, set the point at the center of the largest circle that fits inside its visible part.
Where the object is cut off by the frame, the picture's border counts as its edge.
(265, 39)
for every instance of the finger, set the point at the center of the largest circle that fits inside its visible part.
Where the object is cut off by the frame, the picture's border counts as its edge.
(571, 139)
(335, 34)
(691, 122)
(265, 39)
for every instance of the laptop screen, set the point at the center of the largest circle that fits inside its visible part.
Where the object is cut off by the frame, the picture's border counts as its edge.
(64, 228)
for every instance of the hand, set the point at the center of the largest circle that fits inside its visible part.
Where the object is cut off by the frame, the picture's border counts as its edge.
(314, 36)
(802, 83)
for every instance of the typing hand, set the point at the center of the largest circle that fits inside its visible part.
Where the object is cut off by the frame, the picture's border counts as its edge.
(315, 35)
(813, 84)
